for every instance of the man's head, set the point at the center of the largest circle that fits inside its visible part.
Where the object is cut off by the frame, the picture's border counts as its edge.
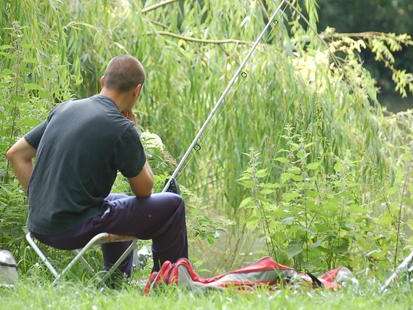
(124, 78)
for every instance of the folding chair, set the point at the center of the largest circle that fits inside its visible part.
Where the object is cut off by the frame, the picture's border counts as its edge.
(96, 240)
(405, 266)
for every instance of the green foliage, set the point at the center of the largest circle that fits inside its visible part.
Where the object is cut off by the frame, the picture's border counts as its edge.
(319, 220)
(12, 216)
(321, 200)
(382, 45)
(383, 17)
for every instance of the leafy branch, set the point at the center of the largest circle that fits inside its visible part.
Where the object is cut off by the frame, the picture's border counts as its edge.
(382, 45)
(197, 40)
(156, 6)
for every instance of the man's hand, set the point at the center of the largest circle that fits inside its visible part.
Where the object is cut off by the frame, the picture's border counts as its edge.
(130, 116)
(20, 157)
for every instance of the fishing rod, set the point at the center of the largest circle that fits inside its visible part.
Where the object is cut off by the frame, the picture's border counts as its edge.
(194, 144)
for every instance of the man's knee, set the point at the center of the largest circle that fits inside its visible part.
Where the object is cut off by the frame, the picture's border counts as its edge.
(177, 202)
(181, 204)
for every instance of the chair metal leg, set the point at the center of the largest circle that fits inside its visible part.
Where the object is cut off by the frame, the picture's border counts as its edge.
(41, 255)
(118, 262)
(80, 254)
(85, 262)
(405, 266)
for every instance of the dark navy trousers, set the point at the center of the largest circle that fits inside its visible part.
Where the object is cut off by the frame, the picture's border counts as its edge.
(160, 217)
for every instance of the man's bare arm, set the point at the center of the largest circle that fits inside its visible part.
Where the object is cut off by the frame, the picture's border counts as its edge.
(20, 156)
(142, 184)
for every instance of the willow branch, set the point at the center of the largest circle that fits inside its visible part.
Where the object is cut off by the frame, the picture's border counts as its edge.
(157, 23)
(197, 40)
(364, 35)
(155, 6)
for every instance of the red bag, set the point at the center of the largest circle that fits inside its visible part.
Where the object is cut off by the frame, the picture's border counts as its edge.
(264, 272)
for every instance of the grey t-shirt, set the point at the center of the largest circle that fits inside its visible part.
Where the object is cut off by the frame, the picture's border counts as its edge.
(80, 148)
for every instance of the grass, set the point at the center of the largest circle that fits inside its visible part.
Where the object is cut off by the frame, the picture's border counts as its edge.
(29, 294)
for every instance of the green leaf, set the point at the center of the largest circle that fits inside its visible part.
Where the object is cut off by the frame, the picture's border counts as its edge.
(285, 177)
(288, 220)
(246, 203)
(294, 249)
(297, 177)
(272, 186)
(343, 245)
(313, 166)
(287, 197)
(282, 160)
(317, 243)
(295, 170)
(338, 167)
(267, 191)
(253, 222)
(269, 188)
(262, 173)
(32, 86)
(5, 47)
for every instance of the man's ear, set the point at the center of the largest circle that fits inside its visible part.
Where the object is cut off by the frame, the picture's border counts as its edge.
(137, 90)
(102, 81)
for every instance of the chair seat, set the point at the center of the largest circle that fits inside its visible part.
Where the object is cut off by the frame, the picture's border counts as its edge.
(98, 239)
(117, 238)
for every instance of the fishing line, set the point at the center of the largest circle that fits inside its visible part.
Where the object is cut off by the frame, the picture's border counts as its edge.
(221, 101)
(334, 57)
(197, 146)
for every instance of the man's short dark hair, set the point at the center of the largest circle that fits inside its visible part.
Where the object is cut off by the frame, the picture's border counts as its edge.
(124, 73)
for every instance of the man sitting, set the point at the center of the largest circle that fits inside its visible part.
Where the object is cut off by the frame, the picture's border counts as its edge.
(79, 149)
